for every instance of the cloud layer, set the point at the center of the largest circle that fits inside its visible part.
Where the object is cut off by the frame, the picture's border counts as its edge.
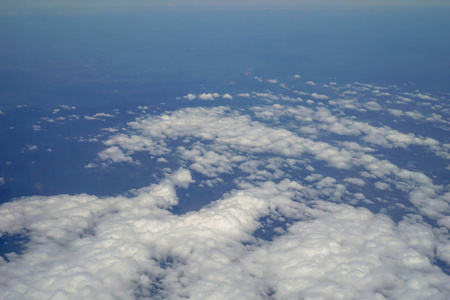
(320, 198)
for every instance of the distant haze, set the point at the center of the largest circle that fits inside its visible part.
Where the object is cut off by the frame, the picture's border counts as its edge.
(72, 6)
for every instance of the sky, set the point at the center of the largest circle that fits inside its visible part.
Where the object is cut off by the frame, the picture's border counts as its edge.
(85, 6)
(225, 154)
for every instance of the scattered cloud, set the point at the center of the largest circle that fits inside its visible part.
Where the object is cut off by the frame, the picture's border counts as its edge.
(288, 187)
(319, 97)
(99, 116)
(190, 97)
(114, 154)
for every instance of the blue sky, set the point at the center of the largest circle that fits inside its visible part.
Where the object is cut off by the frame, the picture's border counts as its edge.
(72, 6)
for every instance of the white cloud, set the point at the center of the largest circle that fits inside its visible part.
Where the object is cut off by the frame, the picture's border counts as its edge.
(114, 154)
(404, 99)
(356, 181)
(208, 96)
(381, 185)
(314, 260)
(318, 96)
(227, 96)
(162, 160)
(98, 116)
(134, 247)
(373, 105)
(267, 96)
(190, 97)
(395, 112)
(424, 97)
(104, 115)
(208, 163)
(349, 92)
(312, 83)
(282, 228)
(414, 114)
(241, 133)
(245, 95)
(272, 81)
(382, 136)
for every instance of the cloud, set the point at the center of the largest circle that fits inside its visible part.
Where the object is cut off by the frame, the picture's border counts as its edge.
(267, 96)
(114, 154)
(241, 133)
(287, 190)
(229, 131)
(424, 97)
(208, 163)
(373, 105)
(396, 112)
(134, 247)
(381, 185)
(190, 97)
(382, 136)
(99, 116)
(330, 255)
(356, 181)
(319, 97)
(209, 96)
(245, 95)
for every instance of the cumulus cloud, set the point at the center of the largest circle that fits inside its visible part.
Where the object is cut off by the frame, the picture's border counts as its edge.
(190, 97)
(288, 189)
(318, 96)
(208, 96)
(382, 136)
(114, 154)
(245, 95)
(356, 181)
(99, 116)
(424, 97)
(134, 247)
(241, 133)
